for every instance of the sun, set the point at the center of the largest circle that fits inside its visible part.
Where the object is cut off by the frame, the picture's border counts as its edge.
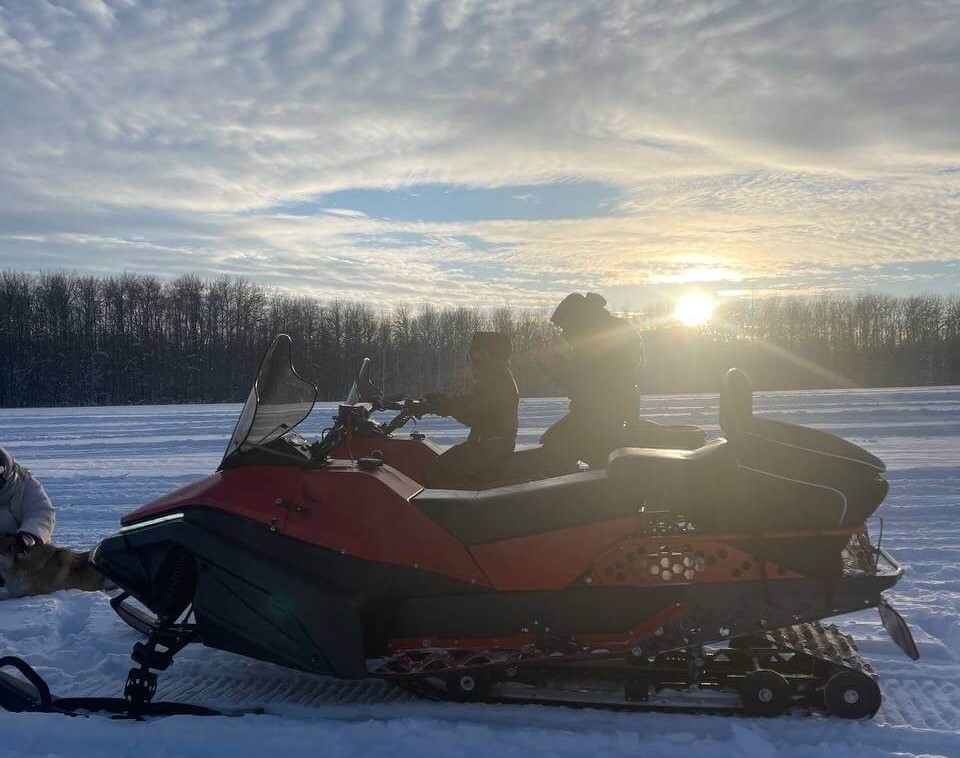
(694, 309)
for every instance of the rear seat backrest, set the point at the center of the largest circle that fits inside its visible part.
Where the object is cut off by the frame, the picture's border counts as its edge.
(736, 403)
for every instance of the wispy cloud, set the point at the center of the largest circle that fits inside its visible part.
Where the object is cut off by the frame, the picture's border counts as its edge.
(794, 143)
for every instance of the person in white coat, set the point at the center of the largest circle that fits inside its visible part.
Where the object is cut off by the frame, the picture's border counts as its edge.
(25, 508)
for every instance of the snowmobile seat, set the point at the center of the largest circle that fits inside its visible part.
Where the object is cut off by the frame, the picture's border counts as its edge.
(525, 464)
(683, 481)
(522, 509)
(645, 433)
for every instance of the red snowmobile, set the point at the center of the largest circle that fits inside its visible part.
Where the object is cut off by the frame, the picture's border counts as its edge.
(673, 578)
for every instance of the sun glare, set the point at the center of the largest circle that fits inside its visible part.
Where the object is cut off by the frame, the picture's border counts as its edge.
(694, 309)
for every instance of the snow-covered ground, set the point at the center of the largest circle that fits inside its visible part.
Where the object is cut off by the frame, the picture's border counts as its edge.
(98, 463)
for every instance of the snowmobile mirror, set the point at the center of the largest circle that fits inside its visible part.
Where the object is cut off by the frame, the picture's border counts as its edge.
(363, 389)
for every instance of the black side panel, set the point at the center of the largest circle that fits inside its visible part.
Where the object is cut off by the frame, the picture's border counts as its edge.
(521, 510)
(245, 599)
(259, 612)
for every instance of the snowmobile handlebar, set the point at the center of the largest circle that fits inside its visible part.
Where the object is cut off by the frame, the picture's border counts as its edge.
(357, 417)
(408, 409)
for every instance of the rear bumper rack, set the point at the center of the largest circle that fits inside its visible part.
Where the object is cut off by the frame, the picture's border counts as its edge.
(896, 570)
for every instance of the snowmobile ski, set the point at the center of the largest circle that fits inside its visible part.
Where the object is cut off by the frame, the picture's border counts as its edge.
(29, 693)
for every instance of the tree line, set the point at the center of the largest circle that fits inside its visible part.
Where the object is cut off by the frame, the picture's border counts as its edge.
(863, 340)
(71, 339)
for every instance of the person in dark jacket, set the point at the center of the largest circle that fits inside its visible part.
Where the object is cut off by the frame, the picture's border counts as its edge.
(599, 370)
(25, 509)
(490, 410)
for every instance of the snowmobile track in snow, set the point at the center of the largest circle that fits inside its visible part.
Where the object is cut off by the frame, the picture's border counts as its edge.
(301, 691)
(920, 703)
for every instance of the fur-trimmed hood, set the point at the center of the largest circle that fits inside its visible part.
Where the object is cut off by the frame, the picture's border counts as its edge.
(10, 476)
(24, 505)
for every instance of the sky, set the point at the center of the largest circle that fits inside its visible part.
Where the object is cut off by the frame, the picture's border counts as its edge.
(487, 153)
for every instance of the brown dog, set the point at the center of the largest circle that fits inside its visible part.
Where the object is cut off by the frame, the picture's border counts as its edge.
(45, 569)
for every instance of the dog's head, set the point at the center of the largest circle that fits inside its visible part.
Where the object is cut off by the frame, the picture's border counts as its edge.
(12, 556)
(8, 551)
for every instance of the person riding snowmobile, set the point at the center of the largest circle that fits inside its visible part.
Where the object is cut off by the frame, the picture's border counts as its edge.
(599, 372)
(490, 410)
(25, 508)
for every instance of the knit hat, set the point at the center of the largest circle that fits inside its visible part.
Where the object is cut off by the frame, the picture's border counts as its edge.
(495, 344)
(576, 310)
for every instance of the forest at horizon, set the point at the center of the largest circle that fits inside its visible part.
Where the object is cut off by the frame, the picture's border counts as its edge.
(72, 339)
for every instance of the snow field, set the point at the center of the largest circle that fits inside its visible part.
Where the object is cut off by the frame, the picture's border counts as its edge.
(98, 463)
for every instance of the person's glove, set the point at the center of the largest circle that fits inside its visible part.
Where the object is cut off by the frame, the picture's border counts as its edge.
(25, 542)
(436, 403)
(415, 408)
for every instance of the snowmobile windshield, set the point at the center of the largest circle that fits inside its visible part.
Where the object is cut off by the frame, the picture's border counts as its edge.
(279, 400)
(353, 396)
(362, 389)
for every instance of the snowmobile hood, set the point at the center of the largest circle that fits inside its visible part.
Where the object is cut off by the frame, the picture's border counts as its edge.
(264, 489)
(194, 493)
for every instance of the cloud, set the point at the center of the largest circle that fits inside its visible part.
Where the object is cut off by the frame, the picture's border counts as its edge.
(772, 140)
